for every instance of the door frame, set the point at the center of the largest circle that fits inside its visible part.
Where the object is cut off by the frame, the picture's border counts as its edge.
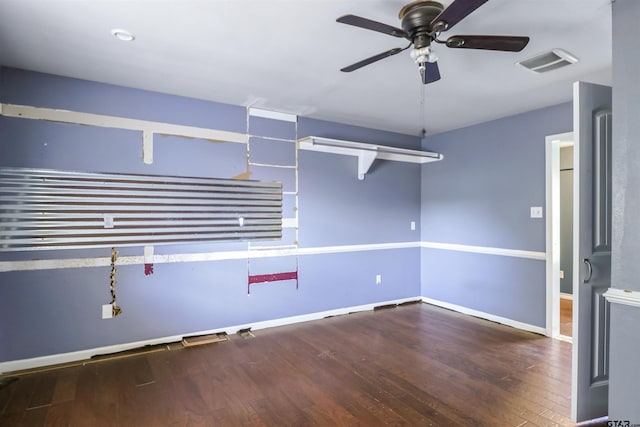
(553, 143)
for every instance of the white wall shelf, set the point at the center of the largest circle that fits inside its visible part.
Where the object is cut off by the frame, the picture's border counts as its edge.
(366, 153)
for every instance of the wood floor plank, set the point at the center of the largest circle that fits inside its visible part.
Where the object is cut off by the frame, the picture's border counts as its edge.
(83, 411)
(59, 414)
(11, 419)
(566, 317)
(435, 379)
(35, 416)
(456, 361)
(44, 389)
(66, 385)
(20, 394)
(5, 394)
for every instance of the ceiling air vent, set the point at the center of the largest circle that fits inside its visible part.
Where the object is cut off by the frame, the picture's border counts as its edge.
(548, 61)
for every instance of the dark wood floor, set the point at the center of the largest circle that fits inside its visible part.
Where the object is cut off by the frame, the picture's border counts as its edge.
(414, 365)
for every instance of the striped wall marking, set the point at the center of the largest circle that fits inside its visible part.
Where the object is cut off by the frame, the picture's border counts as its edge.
(148, 128)
(87, 209)
(147, 147)
(148, 260)
(275, 115)
(289, 222)
(286, 222)
(486, 316)
(148, 254)
(291, 246)
(273, 166)
(542, 256)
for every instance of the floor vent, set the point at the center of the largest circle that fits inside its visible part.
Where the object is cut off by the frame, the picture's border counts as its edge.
(548, 61)
(245, 333)
(384, 307)
(204, 339)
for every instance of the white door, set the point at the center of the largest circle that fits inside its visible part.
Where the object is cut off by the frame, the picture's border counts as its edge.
(592, 249)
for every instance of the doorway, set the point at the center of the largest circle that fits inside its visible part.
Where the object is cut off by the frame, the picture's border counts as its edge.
(559, 225)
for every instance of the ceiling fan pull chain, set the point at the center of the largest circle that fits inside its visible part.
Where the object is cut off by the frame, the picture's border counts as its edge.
(423, 114)
(115, 309)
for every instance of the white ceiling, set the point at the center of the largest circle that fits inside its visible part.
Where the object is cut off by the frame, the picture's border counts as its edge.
(285, 55)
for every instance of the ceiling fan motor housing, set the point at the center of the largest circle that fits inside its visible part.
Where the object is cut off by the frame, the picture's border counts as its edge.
(416, 19)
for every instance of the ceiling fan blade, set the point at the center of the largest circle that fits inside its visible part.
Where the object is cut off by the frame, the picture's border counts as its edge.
(431, 73)
(455, 13)
(371, 60)
(503, 43)
(368, 24)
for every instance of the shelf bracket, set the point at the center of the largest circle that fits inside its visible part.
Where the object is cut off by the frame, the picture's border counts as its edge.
(365, 160)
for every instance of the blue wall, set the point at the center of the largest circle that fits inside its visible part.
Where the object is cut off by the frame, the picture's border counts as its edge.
(480, 195)
(47, 312)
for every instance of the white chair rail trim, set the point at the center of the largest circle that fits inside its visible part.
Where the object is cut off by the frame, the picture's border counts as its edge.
(622, 296)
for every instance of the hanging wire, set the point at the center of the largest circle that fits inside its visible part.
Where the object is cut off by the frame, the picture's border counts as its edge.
(115, 310)
(423, 115)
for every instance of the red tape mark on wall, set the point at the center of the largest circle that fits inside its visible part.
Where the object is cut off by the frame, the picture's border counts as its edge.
(148, 269)
(261, 278)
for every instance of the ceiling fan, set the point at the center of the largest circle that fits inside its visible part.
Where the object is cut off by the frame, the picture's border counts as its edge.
(422, 23)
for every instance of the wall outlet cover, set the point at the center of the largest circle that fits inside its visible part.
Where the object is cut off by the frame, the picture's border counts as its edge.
(536, 211)
(107, 311)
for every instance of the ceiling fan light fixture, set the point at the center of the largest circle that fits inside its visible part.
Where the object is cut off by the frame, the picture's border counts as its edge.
(423, 54)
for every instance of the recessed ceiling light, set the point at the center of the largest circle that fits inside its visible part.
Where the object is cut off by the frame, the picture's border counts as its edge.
(123, 35)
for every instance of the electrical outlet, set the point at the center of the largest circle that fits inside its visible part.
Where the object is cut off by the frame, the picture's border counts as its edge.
(413, 225)
(108, 221)
(378, 279)
(107, 311)
(562, 274)
(536, 212)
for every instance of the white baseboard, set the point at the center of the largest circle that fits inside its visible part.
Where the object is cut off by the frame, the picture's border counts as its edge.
(76, 356)
(55, 359)
(486, 316)
(564, 295)
(564, 338)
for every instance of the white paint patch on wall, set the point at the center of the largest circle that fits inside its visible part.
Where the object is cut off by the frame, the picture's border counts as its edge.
(147, 128)
(275, 115)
